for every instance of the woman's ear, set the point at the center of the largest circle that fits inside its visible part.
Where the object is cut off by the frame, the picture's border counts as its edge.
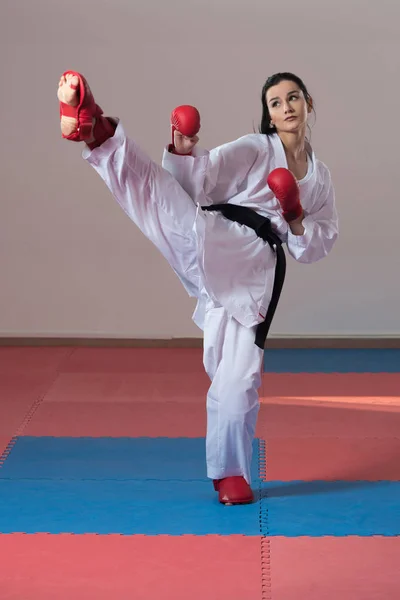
(310, 105)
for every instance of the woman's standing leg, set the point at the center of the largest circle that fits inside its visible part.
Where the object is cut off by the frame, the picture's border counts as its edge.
(233, 363)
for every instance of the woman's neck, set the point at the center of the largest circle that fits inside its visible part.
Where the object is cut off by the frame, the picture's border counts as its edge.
(294, 145)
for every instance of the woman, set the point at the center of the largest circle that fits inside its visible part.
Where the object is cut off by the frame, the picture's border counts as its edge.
(225, 265)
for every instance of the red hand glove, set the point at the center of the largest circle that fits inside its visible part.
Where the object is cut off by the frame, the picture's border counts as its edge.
(285, 187)
(185, 119)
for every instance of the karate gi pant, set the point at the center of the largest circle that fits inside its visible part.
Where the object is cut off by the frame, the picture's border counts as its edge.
(166, 215)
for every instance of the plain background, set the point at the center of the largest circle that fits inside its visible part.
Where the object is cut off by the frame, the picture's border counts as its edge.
(72, 264)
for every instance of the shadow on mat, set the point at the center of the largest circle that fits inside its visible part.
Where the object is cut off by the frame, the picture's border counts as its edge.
(310, 488)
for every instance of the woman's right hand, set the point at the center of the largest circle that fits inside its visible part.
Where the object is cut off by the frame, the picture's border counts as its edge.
(185, 124)
(184, 144)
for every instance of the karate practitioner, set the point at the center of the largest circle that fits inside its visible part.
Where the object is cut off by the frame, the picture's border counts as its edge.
(224, 264)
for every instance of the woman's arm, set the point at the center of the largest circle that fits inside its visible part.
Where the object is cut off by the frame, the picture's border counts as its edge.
(213, 176)
(312, 236)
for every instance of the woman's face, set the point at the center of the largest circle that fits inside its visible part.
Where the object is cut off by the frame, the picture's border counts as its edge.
(287, 107)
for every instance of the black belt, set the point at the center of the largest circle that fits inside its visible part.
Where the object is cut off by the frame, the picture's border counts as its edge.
(262, 227)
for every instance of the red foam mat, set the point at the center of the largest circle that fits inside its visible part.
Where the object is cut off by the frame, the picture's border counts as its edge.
(329, 568)
(31, 359)
(331, 385)
(93, 567)
(24, 386)
(291, 420)
(12, 415)
(118, 419)
(129, 387)
(333, 459)
(135, 360)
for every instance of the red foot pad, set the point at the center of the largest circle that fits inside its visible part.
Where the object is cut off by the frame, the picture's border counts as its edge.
(233, 490)
(85, 112)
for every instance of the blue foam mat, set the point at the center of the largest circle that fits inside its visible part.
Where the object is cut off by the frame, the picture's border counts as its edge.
(110, 458)
(155, 486)
(176, 508)
(124, 507)
(338, 508)
(313, 360)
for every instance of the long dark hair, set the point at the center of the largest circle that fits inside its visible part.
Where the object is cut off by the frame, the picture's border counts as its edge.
(265, 126)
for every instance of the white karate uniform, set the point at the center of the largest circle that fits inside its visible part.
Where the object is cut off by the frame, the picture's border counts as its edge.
(223, 264)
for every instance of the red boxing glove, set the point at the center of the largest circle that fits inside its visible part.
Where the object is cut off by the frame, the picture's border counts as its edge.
(285, 187)
(185, 119)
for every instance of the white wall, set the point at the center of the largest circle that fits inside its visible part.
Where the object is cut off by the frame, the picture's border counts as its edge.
(72, 264)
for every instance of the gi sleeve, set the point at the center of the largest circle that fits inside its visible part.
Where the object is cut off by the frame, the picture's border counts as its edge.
(321, 228)
(215, 176)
